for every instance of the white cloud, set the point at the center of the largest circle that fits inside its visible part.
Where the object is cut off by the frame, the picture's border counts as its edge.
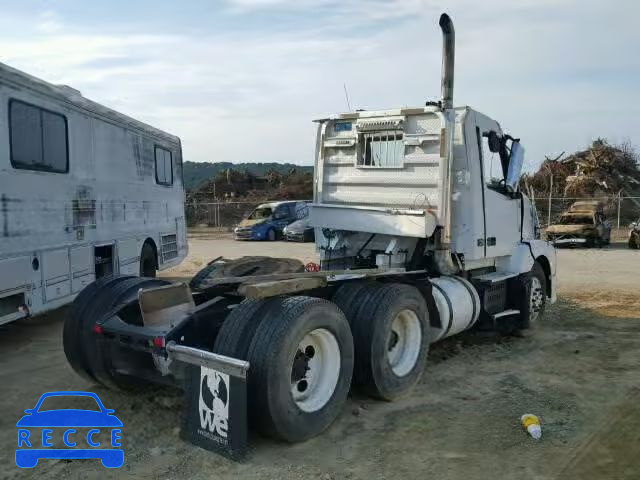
(553, 73)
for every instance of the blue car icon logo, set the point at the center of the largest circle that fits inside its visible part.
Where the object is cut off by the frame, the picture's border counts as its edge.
(83, 433)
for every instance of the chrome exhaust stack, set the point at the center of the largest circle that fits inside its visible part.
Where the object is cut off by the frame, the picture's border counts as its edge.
(448, 60)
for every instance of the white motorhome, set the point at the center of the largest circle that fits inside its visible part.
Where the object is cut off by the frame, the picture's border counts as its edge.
(84, 192)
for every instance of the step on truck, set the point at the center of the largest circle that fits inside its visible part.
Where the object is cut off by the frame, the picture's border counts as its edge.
(422, 233)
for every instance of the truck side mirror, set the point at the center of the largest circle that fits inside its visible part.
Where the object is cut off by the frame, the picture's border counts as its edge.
(494, 141)
(516, 161)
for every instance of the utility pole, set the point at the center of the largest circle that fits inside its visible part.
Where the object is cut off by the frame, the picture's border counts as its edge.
(550, 193)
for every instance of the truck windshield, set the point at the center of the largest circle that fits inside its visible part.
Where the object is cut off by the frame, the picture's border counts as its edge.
(260, 212)
(576, 220)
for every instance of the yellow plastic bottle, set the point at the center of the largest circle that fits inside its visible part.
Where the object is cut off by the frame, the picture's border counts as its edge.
(531, 424)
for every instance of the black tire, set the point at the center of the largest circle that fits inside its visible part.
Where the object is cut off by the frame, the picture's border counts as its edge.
(72, 337)
(271, 235)
(148, 261)
(526, 292)
(598, 242)
(349, 298)
(372, 334)
(634, 241)
(309, 236)
(87, 355)
(274, 347)
(236, 333)
(100, 357)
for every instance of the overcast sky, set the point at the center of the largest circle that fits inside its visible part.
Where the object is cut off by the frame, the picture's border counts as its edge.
(241, 80)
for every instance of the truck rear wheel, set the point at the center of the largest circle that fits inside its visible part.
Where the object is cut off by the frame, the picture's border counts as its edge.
(349, 298)
(103, 299)
(100, 360)
(72, 341)
(391, 339)
(301, 365)
(236, 333)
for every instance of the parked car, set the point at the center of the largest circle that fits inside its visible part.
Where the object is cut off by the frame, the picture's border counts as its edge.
(300, 230)
(266, 221)
(584, 223)
(634, 235)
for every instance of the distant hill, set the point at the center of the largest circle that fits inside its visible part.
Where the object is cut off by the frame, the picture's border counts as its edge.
(196, 174)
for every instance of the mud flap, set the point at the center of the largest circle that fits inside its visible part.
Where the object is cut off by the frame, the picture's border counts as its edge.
(215, 412)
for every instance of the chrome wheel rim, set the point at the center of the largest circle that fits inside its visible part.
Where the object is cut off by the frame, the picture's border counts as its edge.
(403, 342)
(315, 370)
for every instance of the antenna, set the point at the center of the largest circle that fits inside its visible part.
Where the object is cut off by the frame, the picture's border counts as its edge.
(346, 94)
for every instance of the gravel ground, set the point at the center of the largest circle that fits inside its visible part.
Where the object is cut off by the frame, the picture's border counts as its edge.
(578, 370)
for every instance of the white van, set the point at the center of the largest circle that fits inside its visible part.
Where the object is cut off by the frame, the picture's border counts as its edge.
(84, 192)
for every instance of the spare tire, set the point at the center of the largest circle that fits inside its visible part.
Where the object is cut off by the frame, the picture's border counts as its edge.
(242, 267)
(301, 365)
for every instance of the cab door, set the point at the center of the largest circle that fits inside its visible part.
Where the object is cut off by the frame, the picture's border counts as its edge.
(501, 210)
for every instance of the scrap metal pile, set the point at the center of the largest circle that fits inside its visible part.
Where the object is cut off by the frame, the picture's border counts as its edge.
(601, 169)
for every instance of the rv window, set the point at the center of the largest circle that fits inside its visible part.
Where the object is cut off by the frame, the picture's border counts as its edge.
(38, 138)
(164, 167)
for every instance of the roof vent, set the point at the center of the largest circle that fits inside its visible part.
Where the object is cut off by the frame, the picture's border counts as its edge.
(69, 90)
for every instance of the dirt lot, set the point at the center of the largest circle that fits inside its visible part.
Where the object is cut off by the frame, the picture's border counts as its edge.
(579, 371)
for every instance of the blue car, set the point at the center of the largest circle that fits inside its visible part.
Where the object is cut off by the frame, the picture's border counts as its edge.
(32, 445)
(267, 221)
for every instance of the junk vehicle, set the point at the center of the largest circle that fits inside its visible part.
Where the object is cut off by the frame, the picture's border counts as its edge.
(634, 235)
(266, 221)
(85, 192)
(584, 223)
(416, 243)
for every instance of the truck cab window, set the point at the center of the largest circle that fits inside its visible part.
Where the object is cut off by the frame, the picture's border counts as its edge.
(164, 166)
(38, 138)
(492, 168)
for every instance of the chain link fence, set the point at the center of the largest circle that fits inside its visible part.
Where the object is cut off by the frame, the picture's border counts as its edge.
(220, 215)
(620, 211)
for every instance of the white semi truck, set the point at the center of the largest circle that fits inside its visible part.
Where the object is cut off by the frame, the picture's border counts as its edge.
(417, 242)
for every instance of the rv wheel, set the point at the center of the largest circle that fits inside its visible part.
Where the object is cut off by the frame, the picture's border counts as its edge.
(148, 261)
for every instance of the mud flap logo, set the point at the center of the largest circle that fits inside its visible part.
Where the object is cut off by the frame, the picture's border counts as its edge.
(215, 414)
(213, 404)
